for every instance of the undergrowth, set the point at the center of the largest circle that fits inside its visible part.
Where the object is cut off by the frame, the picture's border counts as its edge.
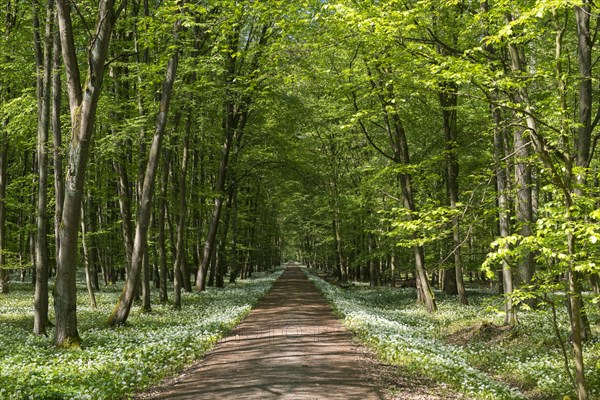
(115, 363)
(465, 347)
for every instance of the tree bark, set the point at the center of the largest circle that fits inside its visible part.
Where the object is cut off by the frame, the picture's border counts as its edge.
(43, 51)
(121, 311)
(4, 276)
(87, 260)
(523, 203)
(180, 258)
(230, 128)
(125, 196)
(162, 250)
(83, 105)
(59, 186)
(564, 182)
(510, 316)
(449, 101)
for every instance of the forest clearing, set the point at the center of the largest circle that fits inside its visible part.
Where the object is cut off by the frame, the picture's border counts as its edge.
(435, 161)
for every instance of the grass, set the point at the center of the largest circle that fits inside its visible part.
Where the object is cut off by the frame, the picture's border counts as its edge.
(115, 363)
(465, 347)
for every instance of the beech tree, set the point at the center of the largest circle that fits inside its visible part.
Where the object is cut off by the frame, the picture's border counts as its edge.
(83, 102)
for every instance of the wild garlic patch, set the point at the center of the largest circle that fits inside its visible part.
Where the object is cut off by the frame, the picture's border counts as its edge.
(517, 364)
(117, 362)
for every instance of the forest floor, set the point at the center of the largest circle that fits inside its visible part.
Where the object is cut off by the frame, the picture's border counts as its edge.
(292, 346)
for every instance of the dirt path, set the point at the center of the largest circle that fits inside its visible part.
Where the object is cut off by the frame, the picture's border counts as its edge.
(290, 346)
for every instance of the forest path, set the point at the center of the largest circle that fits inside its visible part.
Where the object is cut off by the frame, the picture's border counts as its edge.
(290, 346)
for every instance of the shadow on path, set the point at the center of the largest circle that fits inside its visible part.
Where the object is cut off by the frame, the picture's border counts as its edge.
(290, 346)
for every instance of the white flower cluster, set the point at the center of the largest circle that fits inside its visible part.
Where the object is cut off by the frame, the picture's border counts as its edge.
(115, 363)
(406, 338)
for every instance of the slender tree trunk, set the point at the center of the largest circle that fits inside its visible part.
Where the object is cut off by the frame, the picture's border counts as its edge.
(577, 327)
(4, 277)
(59, 186)
(209, 244)
(510, 316)
(564, 182)
(124, 191)
(234, 240)
(180, 261)
(220, 268)
(146, 292)
(524, 203)
(162, 249)
(43, 50)
(372, 267)
(87, 260)
(502, 187)
(406, 186)
(83, 105)
(231, 123)
(121, 311)
(584, 133)
(448, 101)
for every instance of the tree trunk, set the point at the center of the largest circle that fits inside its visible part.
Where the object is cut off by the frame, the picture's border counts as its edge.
(4, 276)
(87, 260)
(121, 311)
(564, 182)
(402, 156)
(124, 191)
(372, 266)
(59, 186)
(510, 316)
(83, 106)
(43, 50)
(146, 292)
(220, 268)
(180, 261)
(234, 270)
(162, 249)
(448, 101)
(209, 244)
(524, 203)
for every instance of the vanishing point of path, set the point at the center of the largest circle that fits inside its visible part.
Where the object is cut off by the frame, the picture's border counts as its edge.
(290, 346)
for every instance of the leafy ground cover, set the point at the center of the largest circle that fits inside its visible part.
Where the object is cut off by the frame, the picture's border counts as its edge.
(114, 363)
(465, 347)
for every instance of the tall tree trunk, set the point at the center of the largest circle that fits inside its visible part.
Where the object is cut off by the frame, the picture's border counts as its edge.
(87, 259)
(146, 292)
(564, 182)
(162, 249)
(209, 244)
(59, 187)
(402, 157)
(372, 267)
(43, 50)
(4, 276)
(220, 268)
(83, 105)
(500, 150)
(523, 203)
(125, 196)
(584, 62)
(234, 270)
(180, 261)
(121, 310)
(448, 101)
(510, 316)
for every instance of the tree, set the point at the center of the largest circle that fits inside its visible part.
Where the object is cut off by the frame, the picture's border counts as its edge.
(83, 102)
(123, 307)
